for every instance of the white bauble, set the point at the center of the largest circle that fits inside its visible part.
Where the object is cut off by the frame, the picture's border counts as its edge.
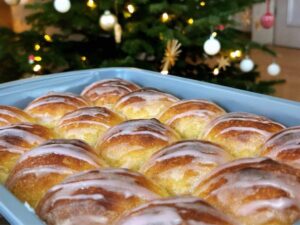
(62, 6)
(246, 65)
(108, 21)
(274, 69)
(212, 46)
(12, 2)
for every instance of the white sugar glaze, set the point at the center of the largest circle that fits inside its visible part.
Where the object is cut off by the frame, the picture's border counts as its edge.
(67, 150)
(10, 113)
(191, 113)
(139, 128)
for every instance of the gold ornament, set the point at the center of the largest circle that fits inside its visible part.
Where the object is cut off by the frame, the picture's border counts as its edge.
(171, 54)
(12, 2)
(118, 33)
(108, 21)
(223, 63)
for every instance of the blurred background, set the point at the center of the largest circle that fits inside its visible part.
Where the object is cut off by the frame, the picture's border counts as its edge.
(248, 44)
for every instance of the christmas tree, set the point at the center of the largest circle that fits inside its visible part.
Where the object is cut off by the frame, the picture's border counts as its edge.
(66, 36)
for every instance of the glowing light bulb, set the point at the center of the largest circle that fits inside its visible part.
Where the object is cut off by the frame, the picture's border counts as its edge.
(91, 4)
(202, 3)
(38, 58)
(190, 21)
(37, 68)
(214, 34)
(83, 58)
(48, 38)
(216, 71)
(130, 8)
(165, 17)
(37, 47)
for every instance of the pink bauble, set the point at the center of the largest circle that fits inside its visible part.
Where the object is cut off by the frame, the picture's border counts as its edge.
(267, 20)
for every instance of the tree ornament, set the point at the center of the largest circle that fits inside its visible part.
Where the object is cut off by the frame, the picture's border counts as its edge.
(62, 6)
(223, 63)
(31, 59)
(171, 55)
(247, 65)
(118, 33)
(108, 21)
(212, 46)
(267, 20)
(12, 2)
(274, 69)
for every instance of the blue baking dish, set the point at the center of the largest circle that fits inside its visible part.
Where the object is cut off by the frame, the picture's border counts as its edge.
(20, 93)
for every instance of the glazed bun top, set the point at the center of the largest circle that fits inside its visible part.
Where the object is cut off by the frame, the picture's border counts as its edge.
(145, 103)
(254, 191)
(189, 117)
(284, 146)
(19, 138)
(96, 197)
(49, 108)
(179, 211)
(12, 115)
(131, 143)
(241, 134)
(107, 92)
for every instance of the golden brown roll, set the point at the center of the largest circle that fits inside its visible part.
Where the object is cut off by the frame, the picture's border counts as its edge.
(96, 197)
(144, 103)
(47, 165)
(180, 166)
(241, 134)
(107, 92)
(12, 115)
(176, 211)
(284, 146)
(87, 124)
(189, 117)
(15, 140)
(256, 191)
(49, 108)
(131, 144)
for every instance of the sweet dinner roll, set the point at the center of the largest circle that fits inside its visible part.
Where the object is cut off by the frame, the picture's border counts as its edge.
(49, 108)
(189, 117)
(241, 134)
(47, 165)
(256, 191)
(284, 146)
(180, 166)
(96, 197)
(132, 143)
(107, 92)
(177, 211)
(17, 139)
(144, 103)
(87, 124)
(12, 115)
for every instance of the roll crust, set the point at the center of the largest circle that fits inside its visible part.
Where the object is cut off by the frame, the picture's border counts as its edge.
(43, 167)
(87, 124)
(179, 211)
(12, 115)
(241, 134)
(145, 103)
(96, 197)
(131, 144)
(107, 92)
(284, 146)
(178, 167)
(49, 108)
(17, 139)
(254, 191)
(189, 117)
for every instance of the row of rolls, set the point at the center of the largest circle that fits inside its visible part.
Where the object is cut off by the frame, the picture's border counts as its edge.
(119, 154)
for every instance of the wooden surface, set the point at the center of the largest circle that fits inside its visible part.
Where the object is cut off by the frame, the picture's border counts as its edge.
(289, 60)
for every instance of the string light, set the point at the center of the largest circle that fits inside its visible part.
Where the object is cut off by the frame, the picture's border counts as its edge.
(190, 21)
(91, 4)
(235, 54)
(37, 68)
(202, 3)
(214, 34)
(165, 17)
(130, 8)
(37, 47)
(83, 58)
(216, 71)
(38, 58)
(48, 38)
